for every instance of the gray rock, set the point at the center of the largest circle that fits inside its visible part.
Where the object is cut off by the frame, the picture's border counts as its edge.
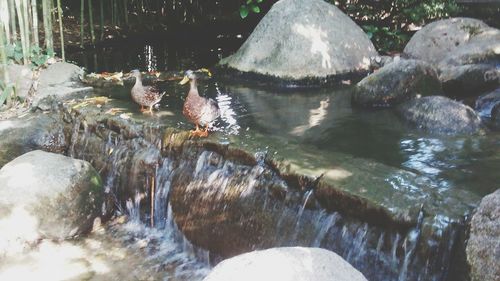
(22, 78)
(483, 46)
(483, 247)
(495, 117)
(438, 39)
(59, 73)
(34, 131)
(486, 103)
(397, 82)
(300, 39)
(46, 195)
(286, 264)
(439, 114)
(469, 79)
(59, 81)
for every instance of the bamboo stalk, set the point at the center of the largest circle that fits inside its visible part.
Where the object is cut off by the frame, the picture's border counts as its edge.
(82, 21)
(12, 13)
(35, 23)
(101, 18)
(26, 13)
(47, 25)
(3, 57)
(59, 14)
(91, 22)
(125, 11)
(5, 19)
(22, 30)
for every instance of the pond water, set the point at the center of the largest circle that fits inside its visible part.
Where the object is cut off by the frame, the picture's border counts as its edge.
(370, 153)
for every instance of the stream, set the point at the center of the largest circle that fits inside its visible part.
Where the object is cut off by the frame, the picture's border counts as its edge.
(416, 189)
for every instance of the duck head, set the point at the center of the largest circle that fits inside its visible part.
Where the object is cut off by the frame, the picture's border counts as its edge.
(135, 73)
(188, 76)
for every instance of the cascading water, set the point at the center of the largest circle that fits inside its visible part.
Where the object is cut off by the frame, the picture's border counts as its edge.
(229, 197)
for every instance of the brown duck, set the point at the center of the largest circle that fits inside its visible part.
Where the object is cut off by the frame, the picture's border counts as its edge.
(145, 96)
(199, 110)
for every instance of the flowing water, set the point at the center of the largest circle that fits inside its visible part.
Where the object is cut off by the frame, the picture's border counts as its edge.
(435, 180)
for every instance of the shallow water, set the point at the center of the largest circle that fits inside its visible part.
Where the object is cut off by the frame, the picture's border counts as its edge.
(370, 153)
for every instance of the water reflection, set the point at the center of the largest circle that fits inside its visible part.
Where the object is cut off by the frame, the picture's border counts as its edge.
(421, 155)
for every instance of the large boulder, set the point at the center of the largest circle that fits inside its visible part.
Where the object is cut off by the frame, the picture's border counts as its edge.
(486, 103)
(395, 83)
(61, 81)
(286, 264)
(439, 114)
(483, 246)
(466, 51)
(46, 195)
(300, 39)
(438, 39)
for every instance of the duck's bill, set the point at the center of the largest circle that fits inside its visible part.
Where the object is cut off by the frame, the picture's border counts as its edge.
(184, 80)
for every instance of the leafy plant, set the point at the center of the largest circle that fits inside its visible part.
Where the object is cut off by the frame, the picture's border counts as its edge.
(250, 6)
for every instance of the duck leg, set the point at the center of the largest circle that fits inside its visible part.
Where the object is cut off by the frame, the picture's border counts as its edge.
(204, 133)
(200, 133)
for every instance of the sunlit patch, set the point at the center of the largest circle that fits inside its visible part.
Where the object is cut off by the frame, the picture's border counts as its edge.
(319, 45)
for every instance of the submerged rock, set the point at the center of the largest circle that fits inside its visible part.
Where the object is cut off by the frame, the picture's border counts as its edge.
(300, 39)
(46, 195)
(286, 264)
(439, 114)
(486, 103)
(483, 247)
(395, 83)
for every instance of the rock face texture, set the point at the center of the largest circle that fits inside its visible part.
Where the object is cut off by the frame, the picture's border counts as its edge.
(397, 82)
(439, 114)
(466, 51)
(46, 195)
(437, 40)
(60, 80)
(286, 264)
(37, 131)
(483, 247)
(300, 39)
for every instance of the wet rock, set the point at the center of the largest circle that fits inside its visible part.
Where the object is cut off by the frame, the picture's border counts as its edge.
(397, 82)
(22, 78)
(439, 114)
(470, 79)
(438, 39)
(495, 117)
(483, 247)
(59, 81)
(37, 131)
(286, 264)
(486, 103)
(300, 39)
(48, 195)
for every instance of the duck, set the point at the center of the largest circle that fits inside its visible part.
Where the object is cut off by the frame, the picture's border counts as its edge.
(145, 96)
(199, 110)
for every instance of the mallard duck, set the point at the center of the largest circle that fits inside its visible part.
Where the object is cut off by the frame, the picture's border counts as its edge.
(144, 95)
(199, 110)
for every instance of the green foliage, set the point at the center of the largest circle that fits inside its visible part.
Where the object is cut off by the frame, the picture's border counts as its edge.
(390, 22)
(250, 6)
(5, 92)
(37, 57)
